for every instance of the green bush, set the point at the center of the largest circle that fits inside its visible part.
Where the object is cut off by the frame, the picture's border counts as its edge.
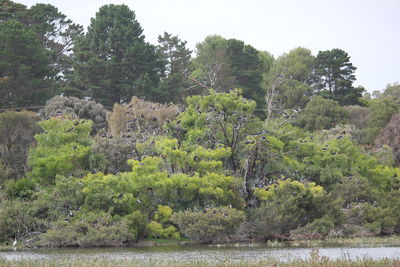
(21, 188)
(161, 227)
(319, 228)
(212, 225)
(18, 220)
(88, 230)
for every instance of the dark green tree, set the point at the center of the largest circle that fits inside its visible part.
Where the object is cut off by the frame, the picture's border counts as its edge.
(55, 33)
(112, 61)
(177, 59)
(334, 77)
(24, 66)
(9, 9)
(246, 67)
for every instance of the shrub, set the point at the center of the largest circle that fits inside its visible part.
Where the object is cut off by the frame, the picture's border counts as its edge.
(88, 230)
(212, 225)
(21, 188)
(161, 227)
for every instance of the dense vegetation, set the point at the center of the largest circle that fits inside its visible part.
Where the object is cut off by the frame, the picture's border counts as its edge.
(231, 144)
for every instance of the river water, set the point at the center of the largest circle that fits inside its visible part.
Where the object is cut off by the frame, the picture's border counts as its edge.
(188, 254)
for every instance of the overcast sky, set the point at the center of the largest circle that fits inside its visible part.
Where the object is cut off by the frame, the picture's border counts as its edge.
(368, 30)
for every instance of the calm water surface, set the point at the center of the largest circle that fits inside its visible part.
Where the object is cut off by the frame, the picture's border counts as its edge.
(206, 254)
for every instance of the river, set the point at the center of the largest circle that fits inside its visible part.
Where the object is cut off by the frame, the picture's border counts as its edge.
(190, 254)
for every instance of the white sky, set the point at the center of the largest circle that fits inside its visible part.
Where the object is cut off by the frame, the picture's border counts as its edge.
(368, 30)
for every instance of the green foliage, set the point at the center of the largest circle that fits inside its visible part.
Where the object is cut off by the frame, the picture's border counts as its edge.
(334, 76)
(292, 204)
(112, 61)
(62, 149)
(56, 33)
(381, 111)
(23, 66)
(321, 114)
(392, 91)
(17, 220)
(148, 186)
(177, 60)
(9, 10)
(214, 224)
(161, 226)
(158, 168)
(319, 228)
(288, 82)
(21, 188)
(90, 230)
(231, 64)
(217, 119)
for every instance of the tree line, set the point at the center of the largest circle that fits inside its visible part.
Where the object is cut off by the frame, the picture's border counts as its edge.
(43, 54)
(229, 145)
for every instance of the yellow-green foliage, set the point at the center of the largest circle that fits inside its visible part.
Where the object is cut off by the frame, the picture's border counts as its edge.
(63, 148)
(161, 226)
(148, 186)
(290, 187)
(163, 214)
(201, 160)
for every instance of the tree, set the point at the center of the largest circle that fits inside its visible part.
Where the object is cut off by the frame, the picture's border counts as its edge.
(24, 66)
(211, 67)
(177, 59)
(246, 67)
(393, 91)
(9, 10)
(62, 149)
(293, 203)
(287, 84)
(56, 33)
(321, 114)
(380, 113)
(112, 61)
(334, 77)
(17, 130)
(223, 65)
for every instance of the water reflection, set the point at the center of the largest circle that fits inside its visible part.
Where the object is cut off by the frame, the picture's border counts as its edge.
(187, 254)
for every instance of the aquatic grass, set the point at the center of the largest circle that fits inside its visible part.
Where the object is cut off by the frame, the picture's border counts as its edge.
(353, 241)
